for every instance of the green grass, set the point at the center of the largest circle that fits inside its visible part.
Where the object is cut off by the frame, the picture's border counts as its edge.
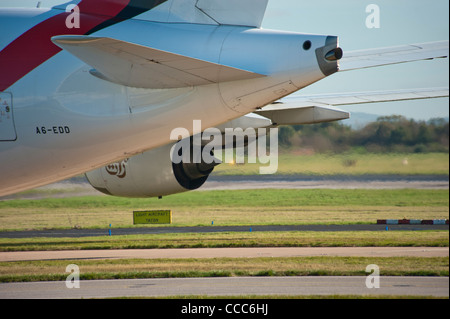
(351, 163)
(222, 267)
(243, 207)
(238, 239)
(225, 208)
(252, 198)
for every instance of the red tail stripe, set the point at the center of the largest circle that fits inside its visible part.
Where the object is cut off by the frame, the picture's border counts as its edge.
(34, 47)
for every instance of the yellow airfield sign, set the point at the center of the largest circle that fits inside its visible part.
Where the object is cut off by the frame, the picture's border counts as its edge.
(152, 217)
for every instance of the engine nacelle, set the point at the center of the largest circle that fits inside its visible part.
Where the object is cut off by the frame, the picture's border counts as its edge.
(151, 174)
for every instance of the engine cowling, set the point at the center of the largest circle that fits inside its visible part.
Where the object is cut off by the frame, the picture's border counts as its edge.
(150, 174)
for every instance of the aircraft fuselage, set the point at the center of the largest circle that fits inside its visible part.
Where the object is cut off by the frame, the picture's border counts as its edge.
(59, 120)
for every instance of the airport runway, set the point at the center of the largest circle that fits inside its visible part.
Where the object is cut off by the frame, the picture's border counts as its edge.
(228, 286)
(78, 233)
(327, 182)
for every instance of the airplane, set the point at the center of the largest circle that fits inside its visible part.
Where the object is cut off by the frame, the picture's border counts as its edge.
(96, 87)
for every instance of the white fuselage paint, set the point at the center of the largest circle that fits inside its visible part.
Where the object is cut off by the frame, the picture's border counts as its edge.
(89, 122)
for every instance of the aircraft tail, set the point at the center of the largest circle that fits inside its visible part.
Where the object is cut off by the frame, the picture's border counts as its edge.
(215, 12)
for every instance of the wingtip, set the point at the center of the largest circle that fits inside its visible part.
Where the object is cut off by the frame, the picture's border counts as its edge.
(72, 39)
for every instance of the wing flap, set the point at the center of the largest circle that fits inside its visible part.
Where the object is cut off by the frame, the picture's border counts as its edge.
(143, 67)
(361, 59)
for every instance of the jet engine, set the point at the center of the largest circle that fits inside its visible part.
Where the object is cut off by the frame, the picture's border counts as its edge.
(151, 174)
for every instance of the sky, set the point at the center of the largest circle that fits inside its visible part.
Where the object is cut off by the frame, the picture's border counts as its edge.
(401, 22)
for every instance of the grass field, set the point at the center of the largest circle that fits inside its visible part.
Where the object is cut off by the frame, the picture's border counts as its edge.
(234, 239)
(222, 267)
(225, 208)
(242, 207)
(352, 163)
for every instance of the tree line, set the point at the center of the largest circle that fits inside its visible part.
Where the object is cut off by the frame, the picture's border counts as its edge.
(388, 134)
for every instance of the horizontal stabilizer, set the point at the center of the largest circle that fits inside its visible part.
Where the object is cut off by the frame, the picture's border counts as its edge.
(143, 67)
(361, 59)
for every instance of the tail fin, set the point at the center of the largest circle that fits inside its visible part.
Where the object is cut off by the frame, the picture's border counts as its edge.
(216, 12)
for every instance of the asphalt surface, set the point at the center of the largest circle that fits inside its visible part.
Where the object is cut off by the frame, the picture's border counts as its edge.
(228, 286)
(327, 182)
(212, 229)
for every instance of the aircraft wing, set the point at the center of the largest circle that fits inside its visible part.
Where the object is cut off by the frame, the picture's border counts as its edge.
(362, 59)
(143, 67)
(319, 108)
